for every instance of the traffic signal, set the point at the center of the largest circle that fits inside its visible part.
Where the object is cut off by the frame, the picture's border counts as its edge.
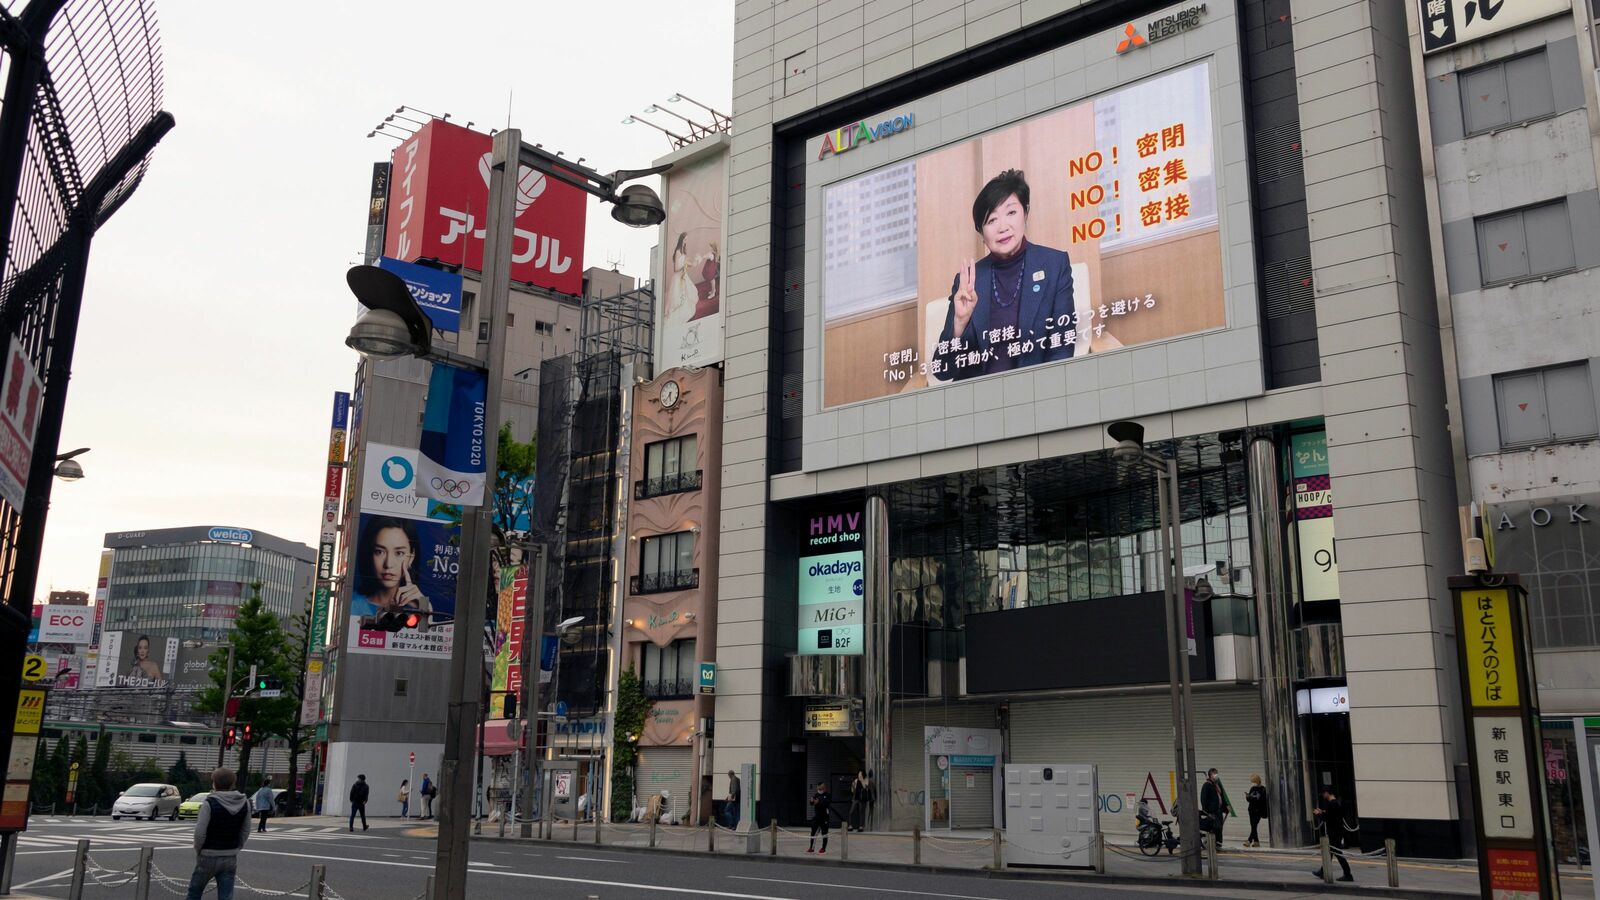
(511, 705)
(247, 733)
(230, 737)
(269, 683)
(392, 620)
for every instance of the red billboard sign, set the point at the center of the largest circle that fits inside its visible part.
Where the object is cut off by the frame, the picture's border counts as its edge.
(438, 204)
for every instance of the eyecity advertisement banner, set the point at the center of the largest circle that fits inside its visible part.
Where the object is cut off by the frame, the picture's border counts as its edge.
(406, 557)
(1082, 230)
(832, 583)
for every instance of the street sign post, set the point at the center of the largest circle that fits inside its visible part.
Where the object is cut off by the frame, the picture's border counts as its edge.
(708, 678)
(1516, 857)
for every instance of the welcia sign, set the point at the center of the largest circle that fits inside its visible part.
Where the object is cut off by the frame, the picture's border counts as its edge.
(863, 132)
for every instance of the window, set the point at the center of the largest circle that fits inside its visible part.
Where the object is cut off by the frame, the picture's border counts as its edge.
(669, 468)
(666, 564)
(1506, 92)
(1525, 243)
(668, 671)
(1545, 406)
(511, 319)
(400, 685)
(544, 327)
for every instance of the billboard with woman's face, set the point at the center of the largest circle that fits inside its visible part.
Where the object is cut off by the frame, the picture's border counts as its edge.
(690, 321)
(409, 565)
(1081, 231)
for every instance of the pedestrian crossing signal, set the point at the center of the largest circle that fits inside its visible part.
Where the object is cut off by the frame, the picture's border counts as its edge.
(229, 737)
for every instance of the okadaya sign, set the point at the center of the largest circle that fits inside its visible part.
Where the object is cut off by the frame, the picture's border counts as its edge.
(832, 583)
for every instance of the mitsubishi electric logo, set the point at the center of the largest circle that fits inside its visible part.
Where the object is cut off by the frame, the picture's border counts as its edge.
(1160, 29)
(397, 472)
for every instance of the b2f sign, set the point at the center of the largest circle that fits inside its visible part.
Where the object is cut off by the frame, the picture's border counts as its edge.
(60, 624)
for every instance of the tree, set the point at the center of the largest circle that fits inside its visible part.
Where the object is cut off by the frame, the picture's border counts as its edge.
(258, 640)
(300, 650)
(94, 789)
(633, 708)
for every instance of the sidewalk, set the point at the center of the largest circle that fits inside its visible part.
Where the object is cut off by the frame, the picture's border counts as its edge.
(1289, 870)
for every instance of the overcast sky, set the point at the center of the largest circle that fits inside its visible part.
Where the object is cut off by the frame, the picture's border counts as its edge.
(213, 329)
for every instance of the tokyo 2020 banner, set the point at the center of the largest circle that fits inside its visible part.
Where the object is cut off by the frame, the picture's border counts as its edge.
(1080, 231)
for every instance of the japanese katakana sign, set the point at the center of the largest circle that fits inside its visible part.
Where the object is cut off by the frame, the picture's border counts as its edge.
(1449, 23)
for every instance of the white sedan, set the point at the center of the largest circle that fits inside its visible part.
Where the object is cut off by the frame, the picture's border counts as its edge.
(146, 801)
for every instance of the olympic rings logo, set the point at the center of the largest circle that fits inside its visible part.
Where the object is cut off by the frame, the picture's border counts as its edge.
(450, 487)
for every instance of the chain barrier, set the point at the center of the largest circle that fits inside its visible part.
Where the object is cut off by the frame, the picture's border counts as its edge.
(240, 882)
(40, 809)
(94, 870)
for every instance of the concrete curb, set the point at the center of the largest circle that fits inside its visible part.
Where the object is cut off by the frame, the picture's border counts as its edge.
(1072, 875)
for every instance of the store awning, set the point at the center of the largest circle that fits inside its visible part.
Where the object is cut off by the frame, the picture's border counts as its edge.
(496, 738)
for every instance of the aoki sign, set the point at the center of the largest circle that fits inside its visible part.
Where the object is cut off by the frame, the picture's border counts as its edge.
(863, 132)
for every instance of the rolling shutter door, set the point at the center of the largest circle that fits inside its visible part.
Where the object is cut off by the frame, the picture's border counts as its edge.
(1130, 740)
(666, 769)
(971, 807)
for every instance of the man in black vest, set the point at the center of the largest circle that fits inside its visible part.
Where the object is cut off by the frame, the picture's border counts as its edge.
(358, 802)
(220, 831)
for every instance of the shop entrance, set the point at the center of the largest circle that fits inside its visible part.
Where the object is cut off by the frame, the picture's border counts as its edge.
(960, 773)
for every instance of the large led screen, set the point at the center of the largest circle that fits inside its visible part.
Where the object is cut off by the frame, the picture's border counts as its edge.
(1084, 230)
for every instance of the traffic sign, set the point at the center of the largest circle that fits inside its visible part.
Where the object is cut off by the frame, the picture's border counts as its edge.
(413, 758)
(708, 678)
(561, 709)
(269, 693)
(33, 668)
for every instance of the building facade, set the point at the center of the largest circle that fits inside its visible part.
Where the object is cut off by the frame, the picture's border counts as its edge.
(930, 564)
(188, 582)
(1507, 120)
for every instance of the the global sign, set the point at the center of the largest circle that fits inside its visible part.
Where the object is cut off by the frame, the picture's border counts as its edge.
(233, 535)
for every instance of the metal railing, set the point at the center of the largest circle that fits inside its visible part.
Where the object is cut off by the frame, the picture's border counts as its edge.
(646, 488)
(667, 688)
(661, 582)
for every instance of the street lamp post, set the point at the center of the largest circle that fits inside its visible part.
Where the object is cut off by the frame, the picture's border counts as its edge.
(395, 326)
(1130, 448)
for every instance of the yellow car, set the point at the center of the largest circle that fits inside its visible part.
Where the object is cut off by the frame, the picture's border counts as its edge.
(190, 808)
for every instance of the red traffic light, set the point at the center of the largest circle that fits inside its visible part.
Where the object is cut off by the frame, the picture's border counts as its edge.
(410, 620)
(393, 620)
(247, 734)
(229, 737)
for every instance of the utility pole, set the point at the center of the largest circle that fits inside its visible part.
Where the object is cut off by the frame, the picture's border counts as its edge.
(466, 655)
(227, 697)
(531, 701)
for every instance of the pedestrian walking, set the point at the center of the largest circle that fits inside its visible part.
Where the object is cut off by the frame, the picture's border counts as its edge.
(821, 800)
(730, 806)
(358, 802)
(262, 802)
(428, 793)
(858, 802)
(1255, 801)
(220, 830)
(872, 796)
(1213, 809)
(404, 797)
(1330, 818)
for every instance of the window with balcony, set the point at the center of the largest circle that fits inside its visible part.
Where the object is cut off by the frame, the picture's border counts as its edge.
(669, 468)
(666, 563)
(667, 672)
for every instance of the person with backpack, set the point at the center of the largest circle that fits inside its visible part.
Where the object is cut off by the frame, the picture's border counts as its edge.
(1256, 804)
(358, 802)
(428, 793)
(1213, 809)
(220, 830)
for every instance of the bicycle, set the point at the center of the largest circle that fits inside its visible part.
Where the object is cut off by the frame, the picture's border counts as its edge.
(1153, 836)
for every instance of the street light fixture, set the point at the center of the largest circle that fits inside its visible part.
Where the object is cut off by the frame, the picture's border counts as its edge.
(406, 330)
(1130, 450)
(68, 468)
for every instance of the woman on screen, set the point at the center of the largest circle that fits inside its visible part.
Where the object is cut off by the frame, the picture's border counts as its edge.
(143, 666)
(387, 556)
(1012, 308)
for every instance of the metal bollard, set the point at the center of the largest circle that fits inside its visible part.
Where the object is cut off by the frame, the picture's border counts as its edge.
(1394, 862)
(575, 818)
(999, 863)
(315, 892)
(141, 889)
(9, 862)
(916, 845)
(773, 827)
(597, 828)
(652, 831)
(80, 860)
(844, 842)
(711, 836)
(1327, 860)
(1209, 841)
(504, 815)
(1100, 854)
(427, 889)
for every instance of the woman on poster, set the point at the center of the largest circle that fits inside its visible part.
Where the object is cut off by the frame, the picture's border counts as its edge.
(143, 666)
(387, 558)
(1013, 308)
